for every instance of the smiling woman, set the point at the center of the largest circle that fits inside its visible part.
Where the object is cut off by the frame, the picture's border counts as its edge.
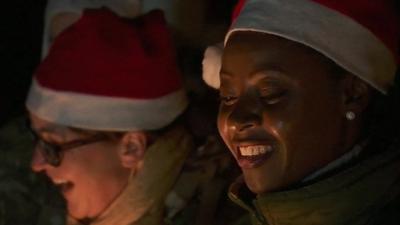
(302, 110)
(94, 108)
(274, 112)
(79, 171)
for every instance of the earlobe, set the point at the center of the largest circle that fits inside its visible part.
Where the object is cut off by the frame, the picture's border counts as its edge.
(134, 145)
(357, 95)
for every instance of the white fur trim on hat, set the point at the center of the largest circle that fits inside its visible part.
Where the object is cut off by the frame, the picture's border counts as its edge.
(212, 65)
(335, 35)
(104, 113)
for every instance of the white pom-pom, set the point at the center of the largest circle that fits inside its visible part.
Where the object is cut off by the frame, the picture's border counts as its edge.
(212, 65)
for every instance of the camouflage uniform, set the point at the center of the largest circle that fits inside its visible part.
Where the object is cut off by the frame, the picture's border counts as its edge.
(23, 194)
(199, 196)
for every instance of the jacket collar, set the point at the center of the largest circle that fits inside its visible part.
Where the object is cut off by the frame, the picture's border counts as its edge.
(348, 197)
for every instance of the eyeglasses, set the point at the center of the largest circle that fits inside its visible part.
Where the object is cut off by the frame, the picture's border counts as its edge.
(53, 153)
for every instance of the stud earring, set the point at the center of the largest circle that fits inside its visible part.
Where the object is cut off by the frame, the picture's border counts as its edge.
(350, 115)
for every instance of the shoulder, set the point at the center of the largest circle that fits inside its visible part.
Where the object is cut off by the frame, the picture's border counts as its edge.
(388, 215)
(199, 195)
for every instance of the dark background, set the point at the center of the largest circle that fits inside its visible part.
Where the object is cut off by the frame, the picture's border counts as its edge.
(21, 33)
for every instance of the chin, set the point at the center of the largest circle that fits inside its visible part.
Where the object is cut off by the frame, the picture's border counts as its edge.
(75, 213)
(258, 184)
(255, 187)
(78, 210)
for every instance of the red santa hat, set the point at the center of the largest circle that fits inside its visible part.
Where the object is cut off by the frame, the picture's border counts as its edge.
(109, 73)
(360, 36)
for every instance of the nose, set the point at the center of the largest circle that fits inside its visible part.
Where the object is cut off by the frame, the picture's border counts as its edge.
(247, 114)
(38, 162)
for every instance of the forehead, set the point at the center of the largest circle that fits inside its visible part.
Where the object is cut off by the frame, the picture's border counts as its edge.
(43, 126)
(251, 52)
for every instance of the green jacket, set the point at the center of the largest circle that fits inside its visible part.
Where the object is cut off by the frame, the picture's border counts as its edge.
(367, 193)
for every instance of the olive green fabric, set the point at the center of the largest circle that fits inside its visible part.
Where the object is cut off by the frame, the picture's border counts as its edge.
(366, 193)
(199, 196)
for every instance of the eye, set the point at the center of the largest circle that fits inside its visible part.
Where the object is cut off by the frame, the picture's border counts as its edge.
(50, 147)
(228, 99)
(273, 97)
(50, 141)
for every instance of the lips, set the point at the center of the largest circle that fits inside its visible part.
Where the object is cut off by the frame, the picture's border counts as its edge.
(63, 185)
(252, 156)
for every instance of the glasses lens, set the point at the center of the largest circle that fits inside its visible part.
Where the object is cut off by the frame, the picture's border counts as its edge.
(51, 153)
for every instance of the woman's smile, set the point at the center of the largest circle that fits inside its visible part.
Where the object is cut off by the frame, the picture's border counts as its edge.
(251, 156)
(279, 125)
(63, 185)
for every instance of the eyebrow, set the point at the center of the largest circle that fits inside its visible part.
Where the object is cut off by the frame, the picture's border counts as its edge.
(49, 129)
(270, 69)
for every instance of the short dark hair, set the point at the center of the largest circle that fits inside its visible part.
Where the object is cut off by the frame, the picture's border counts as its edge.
(383, 115)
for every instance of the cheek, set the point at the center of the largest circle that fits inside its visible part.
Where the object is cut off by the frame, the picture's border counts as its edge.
(222, 124)
(88, 170)
(102, 164)
(279, 123)
(93, 164)
(310, 140)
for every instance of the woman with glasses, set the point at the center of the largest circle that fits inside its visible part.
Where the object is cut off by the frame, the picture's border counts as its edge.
(104, 109)
(310, 111)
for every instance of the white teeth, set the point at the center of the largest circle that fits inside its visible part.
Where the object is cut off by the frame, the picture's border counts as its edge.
(58, 182)
(254, 150)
